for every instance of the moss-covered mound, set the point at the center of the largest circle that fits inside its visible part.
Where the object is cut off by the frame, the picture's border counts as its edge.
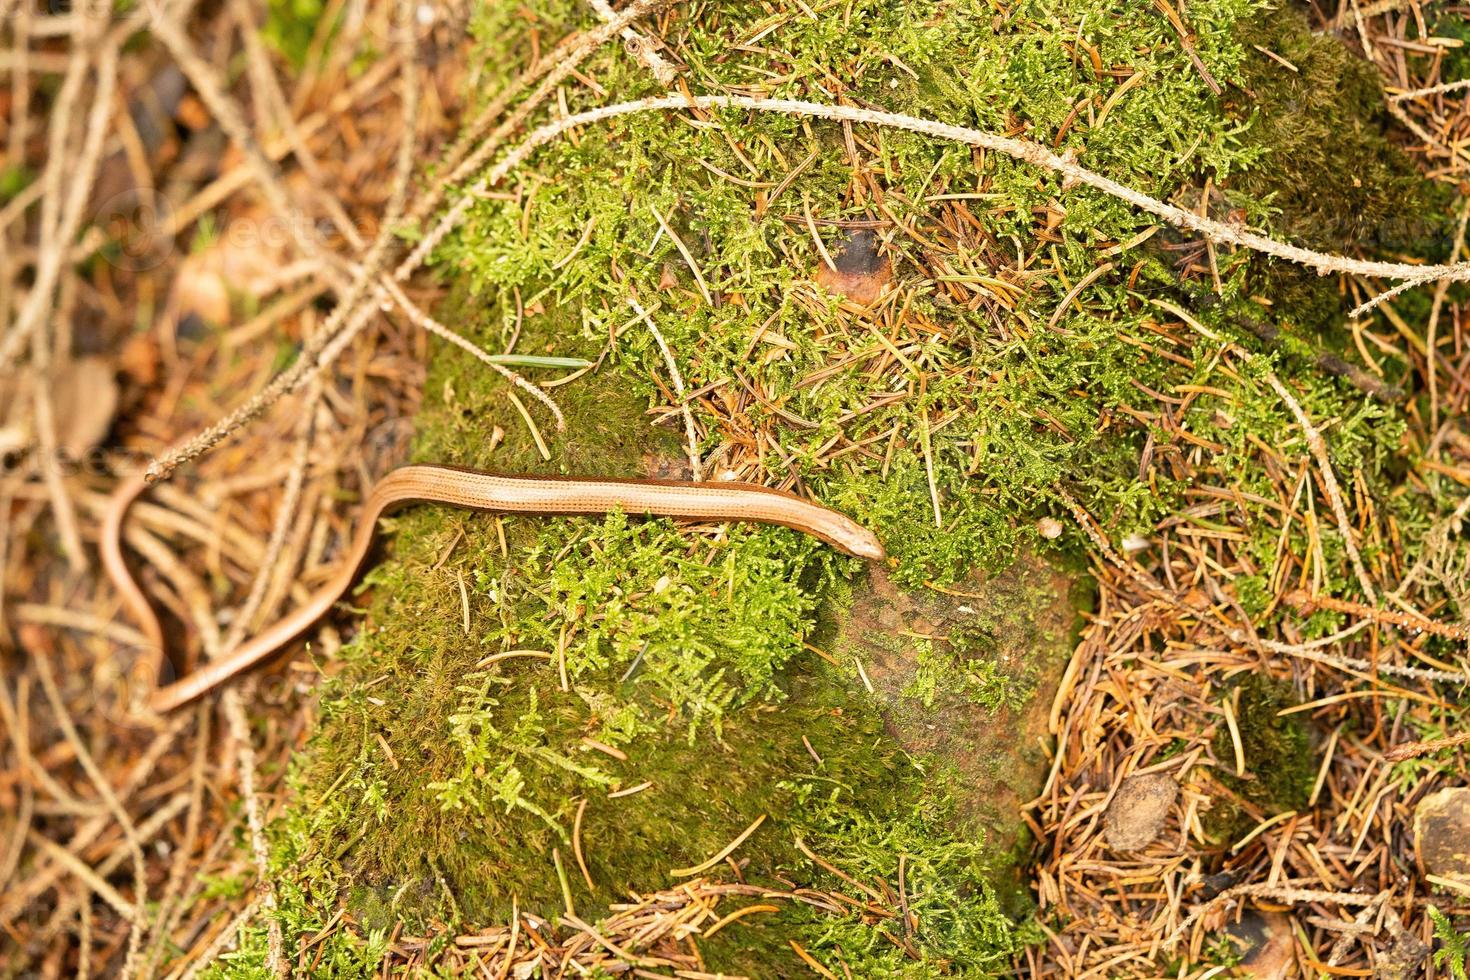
(540, 697)
(548, 715)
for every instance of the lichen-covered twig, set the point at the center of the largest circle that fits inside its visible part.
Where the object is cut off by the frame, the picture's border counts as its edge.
(1408, 621)
(1286, 892)
(1026, 151)
(641, 46)
(1412, 750)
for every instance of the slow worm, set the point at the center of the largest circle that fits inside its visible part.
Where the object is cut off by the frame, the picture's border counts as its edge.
(473, 490)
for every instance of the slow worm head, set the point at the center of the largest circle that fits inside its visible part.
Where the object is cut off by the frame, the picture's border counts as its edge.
(475, 490)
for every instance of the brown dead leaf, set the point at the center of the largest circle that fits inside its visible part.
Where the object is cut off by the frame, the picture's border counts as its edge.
(247, 259)
(84, 395)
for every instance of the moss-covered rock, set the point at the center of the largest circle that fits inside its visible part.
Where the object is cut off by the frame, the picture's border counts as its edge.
(965, 677)
(626, 689)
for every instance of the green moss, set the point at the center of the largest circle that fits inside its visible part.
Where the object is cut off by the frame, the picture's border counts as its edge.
(1454, 946)
(442, 784)
(490, 830)
(607, 430)
(957, 919)
(981, 681)
(1280, 764)
(290, 26)
(1307, 122)
(1307, 119)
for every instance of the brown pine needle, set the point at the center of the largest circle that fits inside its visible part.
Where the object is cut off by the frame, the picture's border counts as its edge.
(738, 914)
(684, 251)
(724, 852)
(810, 961)
(577, 846)
(531, 425)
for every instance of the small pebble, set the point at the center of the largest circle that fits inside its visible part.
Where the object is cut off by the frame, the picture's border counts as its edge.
(1138, 811)
(1442, 834)
(859, 270)
(1265, 944)
(1403, 960)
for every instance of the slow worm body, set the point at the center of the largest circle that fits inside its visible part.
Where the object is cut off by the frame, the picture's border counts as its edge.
(473, 490)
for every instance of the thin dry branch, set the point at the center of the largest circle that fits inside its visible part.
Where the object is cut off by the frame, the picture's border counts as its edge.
(1318, 447)
(1024, 150)
(696, 468)
(642, 48)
